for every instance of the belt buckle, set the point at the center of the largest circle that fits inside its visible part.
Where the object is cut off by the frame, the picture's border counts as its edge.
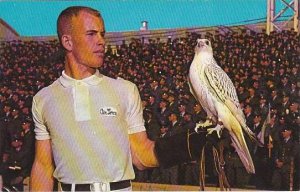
(97, 187)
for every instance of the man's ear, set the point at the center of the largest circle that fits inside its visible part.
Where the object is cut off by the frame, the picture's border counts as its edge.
(66, 41)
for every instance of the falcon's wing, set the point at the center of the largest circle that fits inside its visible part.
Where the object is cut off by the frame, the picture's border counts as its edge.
(201, 96)
(223, 89)
(192, 89)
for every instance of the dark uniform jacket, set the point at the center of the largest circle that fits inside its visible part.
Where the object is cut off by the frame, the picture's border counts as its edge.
(175, 129)
(199, 116)
(285, 151)
(152, 128)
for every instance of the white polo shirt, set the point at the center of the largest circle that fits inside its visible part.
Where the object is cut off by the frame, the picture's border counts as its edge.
(88, 122)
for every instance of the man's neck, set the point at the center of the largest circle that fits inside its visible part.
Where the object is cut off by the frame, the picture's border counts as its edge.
(286, 139)
(78, 71)
(174, 122)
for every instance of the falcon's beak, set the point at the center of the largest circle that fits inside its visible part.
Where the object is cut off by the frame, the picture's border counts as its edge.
(200, 44)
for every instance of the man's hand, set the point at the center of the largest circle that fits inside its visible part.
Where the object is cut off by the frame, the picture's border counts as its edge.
(270, 145)
(142, 151)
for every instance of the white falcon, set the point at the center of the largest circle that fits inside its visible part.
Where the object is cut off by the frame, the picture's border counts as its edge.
(214, 90)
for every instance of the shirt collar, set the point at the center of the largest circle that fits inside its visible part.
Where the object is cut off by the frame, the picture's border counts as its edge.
(92, 80)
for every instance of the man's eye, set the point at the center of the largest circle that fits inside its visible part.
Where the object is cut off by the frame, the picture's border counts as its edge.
(102, 34)
(90, 34)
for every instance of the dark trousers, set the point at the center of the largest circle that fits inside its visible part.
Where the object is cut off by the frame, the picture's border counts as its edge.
(8, 179)
(263, 173)
(281, 178)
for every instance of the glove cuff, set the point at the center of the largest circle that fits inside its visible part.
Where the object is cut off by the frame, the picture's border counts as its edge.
(179, 148)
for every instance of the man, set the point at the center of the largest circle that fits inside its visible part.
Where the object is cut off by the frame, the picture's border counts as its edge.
(284, 108)
(73, 106)
(257, 124)
(174, 125)
(168, 175)
(182, 111)
(152, 125)
(249, 115)
(188, 123)
(263, 107)
(189, 169)
(20, 157)
(199, 115)
(260, 156)
(273, 130)
(286, 154)
(89, 128)
(242, 94)
(13, 127)
(275, 100)
(173, 105)
(294, 112)
(156, 89)
(164, 112)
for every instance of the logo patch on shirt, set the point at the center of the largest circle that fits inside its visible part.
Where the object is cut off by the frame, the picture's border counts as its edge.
(108, 111)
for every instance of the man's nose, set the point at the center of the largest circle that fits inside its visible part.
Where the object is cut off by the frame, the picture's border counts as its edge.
(100, 39)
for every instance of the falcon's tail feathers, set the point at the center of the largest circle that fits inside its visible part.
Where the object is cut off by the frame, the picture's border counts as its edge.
(252, 135)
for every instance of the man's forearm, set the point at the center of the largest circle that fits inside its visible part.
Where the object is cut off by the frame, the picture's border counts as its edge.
(41, 178)
(142, 150)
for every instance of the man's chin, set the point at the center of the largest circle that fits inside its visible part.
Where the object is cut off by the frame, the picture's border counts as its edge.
(97, 64)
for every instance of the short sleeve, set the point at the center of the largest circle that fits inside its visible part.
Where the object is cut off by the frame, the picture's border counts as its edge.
(41, 131)
(135, 118)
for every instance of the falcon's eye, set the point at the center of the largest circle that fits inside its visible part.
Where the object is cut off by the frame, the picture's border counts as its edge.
(207, 42)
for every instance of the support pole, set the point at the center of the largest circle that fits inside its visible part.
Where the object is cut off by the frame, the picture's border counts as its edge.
(273, 18)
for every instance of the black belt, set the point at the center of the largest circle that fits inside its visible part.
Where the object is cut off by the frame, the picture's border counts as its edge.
(87, 187)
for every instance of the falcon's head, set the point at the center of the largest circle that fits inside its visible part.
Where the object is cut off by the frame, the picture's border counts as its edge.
(203, 45)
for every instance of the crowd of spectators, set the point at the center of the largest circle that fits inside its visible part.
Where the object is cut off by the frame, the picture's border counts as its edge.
(264, 69)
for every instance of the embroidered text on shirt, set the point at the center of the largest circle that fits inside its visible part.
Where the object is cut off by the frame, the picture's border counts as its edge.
(108, 111)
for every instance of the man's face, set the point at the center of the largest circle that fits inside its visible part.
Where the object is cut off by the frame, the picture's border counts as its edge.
(187, 117)
(26, 125)
(251, 92)
(197, 107)
(87, 37)
(172, 117)
(286, 133)
(163, 129)
(247, 109)
(262, 101)
(294, 107)
(15, 112)
(256, 119)
(170, 99)
(181, 108)
(151, 99)
(273, 93)
(285, 99)
(6, 109)
(162, 104)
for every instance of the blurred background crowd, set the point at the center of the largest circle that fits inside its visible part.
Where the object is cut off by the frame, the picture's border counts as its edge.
(264, 69)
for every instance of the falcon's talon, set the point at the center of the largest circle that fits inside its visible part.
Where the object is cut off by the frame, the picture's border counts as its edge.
(218, 129)
(203, 125)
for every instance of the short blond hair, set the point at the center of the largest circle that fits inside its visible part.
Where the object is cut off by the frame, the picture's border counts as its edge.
(64, 18)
